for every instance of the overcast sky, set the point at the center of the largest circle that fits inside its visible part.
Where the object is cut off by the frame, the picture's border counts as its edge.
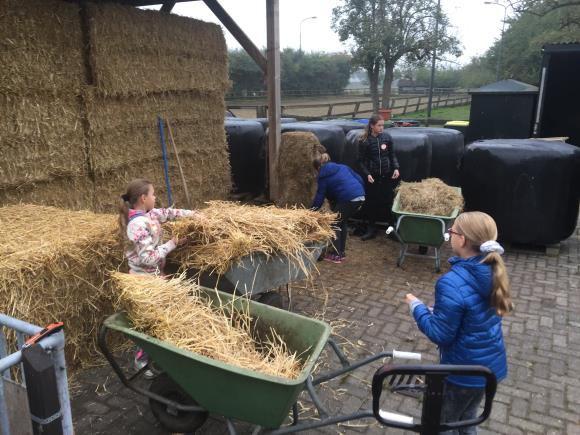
(476, 24)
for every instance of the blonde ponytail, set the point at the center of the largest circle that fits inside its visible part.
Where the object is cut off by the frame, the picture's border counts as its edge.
(500, 294)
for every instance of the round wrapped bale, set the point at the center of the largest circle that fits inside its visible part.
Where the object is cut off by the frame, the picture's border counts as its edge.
(529, 186)
(346, 124)
(332, 137)
(265, 121)
(350, 154)
(447, 151)
(414, 153)
(247, 157)
(297, 176)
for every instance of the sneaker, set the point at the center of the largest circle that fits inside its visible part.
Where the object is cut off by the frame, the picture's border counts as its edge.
(140, 360)
(337, 259)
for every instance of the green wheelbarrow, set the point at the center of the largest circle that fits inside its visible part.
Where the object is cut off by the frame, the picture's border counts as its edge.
(420, 229)
(191, 386)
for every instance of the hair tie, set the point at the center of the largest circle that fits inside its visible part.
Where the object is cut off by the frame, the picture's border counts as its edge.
(491, 246)
(125, 197)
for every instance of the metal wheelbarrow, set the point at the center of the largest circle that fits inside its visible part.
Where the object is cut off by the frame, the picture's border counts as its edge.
(259, 275)
(420, 229)
(191, 386)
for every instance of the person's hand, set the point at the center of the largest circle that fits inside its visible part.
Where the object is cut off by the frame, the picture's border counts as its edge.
(410, 297)
(175, 240)
(370, 179)
(396, 174)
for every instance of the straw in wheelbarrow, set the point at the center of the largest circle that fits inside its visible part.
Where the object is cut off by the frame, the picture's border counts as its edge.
(229, 231)
(431, 196)
(173, 310)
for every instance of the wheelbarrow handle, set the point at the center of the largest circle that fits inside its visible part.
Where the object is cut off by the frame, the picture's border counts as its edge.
(435, 376)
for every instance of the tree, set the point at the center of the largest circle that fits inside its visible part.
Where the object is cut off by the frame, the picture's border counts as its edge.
(382, 32)
(245, 74)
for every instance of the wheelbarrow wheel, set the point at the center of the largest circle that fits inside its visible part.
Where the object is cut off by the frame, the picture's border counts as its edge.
(271, 298)
(178, 421)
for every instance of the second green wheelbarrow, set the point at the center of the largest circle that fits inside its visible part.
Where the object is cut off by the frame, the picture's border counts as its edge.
(420, 229)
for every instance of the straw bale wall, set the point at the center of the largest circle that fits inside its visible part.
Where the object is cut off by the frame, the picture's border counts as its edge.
(136, 52)
(78, 121)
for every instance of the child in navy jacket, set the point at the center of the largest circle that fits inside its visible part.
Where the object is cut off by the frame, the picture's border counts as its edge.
(345, 191)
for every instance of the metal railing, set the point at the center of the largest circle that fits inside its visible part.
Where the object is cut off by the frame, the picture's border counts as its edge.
(54, 344)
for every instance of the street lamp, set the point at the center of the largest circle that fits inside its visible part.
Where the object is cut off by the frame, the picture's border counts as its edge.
(497, 69)
(308, 18)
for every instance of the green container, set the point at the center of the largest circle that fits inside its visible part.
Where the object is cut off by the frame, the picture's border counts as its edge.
(422, 229)
(229, 390)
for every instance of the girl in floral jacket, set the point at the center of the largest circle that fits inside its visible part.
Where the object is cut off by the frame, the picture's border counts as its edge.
(140, 227)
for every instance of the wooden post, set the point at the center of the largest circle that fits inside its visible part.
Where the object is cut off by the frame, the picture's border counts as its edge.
(418, 104)
(274, 91)
(356, 109)
(406, 105)
(329, 113)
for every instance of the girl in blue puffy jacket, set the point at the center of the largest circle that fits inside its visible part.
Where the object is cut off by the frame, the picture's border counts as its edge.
(465, 322)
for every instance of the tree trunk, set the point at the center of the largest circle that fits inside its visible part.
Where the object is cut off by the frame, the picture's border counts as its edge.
(373, 74)
(387, 82)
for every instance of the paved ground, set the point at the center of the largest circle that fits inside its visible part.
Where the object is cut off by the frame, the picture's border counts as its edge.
(363, 300)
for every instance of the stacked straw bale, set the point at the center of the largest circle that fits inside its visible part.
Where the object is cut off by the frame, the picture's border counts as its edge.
(41, 77)
(146, 64)
(175, 311)
(53, 268)
(296, 175)
(79, 104)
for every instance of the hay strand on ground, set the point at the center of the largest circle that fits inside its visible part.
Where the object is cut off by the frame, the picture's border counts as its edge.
(173, 310)
(53, 268)
(229, 231)
(431, 196)
(296, 175)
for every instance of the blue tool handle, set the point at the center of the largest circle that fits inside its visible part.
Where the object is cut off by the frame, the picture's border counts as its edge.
(165, 165)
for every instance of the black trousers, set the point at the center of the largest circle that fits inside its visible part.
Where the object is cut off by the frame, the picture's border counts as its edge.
(379, 198)
(345, 211)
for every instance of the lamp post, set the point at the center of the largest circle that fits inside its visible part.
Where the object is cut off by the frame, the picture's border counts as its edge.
(307, 18)
(498, 66)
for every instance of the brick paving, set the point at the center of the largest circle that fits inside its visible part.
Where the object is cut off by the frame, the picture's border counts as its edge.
(363, 301)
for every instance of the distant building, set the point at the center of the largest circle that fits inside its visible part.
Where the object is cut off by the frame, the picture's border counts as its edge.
(406, 86)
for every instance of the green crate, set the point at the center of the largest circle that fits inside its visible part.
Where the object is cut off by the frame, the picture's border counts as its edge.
(229, 390)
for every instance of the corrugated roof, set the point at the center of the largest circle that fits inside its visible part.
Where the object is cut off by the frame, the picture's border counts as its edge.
(509, 86)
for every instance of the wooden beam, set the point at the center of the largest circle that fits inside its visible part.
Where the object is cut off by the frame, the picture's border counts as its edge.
(274, 93)
(237, 33)
(167, 7)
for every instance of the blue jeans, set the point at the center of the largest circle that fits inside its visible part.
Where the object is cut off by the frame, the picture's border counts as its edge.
(460, 404)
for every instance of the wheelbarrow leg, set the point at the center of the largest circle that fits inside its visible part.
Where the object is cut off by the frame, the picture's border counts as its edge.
(402, 254)
(437, 261)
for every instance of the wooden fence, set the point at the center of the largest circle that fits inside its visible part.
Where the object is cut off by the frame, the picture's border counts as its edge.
(358, 108)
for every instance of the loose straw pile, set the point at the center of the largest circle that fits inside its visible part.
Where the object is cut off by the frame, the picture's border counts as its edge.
(53, 268)
(431, 196)
(229, 231)
(173, 310)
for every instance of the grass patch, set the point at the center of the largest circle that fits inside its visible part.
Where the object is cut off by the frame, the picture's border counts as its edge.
(459, 113)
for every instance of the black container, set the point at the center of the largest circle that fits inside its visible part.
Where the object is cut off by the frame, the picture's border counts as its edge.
(502, 110)
(530, 187)
(414, 152)
(265, 121)
(350, 154)
(559, 111)
(331, 136)
(346, 124)
(246, 141)
(447, 151)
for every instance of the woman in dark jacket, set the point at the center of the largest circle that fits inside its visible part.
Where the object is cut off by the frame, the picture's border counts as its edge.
(379, 165)
(345, 191)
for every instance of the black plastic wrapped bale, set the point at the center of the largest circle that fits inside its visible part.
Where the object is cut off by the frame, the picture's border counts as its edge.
(350, 153)
(265, 121)
(331, 136)
(346, 124)
(414, 152)
(530, 187)
(247, 157)
(447, 147)
(560, 93)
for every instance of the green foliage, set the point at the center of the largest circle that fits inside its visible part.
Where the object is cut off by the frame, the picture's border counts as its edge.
(299, 71)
